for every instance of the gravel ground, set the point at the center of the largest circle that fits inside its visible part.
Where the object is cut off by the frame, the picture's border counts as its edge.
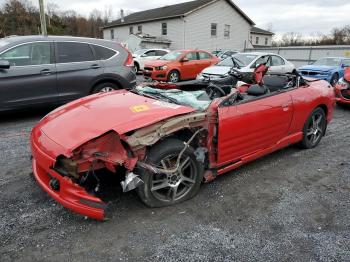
(293, 205)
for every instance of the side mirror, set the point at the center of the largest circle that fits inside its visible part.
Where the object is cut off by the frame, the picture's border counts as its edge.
(185, 59)
(4, 64)
(343, 65)
(143, 55)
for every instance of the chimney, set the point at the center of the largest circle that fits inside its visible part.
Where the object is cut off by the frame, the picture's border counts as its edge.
(122, 15)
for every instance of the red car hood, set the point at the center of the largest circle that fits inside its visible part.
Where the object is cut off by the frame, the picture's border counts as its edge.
(82, 120)
(157, 63)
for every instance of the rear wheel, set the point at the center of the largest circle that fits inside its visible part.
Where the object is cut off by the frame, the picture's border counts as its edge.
(105, 87)
(173, 76)
(165, 189)
(314, 129)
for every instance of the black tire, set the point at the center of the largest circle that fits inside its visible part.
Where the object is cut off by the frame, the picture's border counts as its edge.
(105, 87)
(174, 76)
(159, 190)
(334, 79)
(314, 129)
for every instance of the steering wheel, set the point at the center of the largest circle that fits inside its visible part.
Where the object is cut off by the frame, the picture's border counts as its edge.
(215, 91)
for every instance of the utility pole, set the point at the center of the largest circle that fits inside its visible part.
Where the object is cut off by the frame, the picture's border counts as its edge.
(42, 18)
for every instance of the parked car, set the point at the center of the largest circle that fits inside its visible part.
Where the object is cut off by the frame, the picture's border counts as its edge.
(342, 89)
(179, 65)
(330, 69)
(247, 62)
(145, 55)
(164, 143)
(38, 70)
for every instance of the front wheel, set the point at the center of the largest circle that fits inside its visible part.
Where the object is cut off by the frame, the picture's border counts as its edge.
(314, 129)
(164, 189)
(173, 76)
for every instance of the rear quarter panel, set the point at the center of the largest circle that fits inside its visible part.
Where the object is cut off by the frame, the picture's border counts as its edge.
(306, 99)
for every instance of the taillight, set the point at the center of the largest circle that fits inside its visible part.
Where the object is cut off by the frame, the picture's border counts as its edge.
(129, 60)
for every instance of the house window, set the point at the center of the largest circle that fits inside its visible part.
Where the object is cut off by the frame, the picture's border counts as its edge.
(266, 41)
(227, 31)
(213, 30)
(131, 30)
(164, 28)
(257, 40)
(112, 33)
(139, 29)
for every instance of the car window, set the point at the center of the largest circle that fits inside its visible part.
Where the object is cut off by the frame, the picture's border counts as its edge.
(191, 56)
(346, 62)
(204, 55)
(150, 53)
(28, 54)
(161, 52)
(103, 53)
(277, 61)
(263, 60)
(69, 52)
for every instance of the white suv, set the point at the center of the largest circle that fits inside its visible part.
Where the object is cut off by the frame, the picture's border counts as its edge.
(144, 55)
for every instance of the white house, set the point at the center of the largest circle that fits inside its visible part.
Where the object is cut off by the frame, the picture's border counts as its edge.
(202, 24)
(260, 37)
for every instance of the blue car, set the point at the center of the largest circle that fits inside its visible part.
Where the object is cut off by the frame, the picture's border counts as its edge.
(330, 69)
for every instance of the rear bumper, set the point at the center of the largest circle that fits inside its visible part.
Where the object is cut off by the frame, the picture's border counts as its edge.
(69, 194)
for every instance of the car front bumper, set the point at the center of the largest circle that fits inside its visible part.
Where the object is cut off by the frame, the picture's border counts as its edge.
(159, 75)
(67, 193)
(342, 95)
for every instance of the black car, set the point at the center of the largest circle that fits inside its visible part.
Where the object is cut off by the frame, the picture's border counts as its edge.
(49, 70)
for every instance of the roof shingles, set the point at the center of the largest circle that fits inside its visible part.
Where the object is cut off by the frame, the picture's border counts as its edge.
(170, 11)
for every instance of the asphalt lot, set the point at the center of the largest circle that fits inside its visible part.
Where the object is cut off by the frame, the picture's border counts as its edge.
(293, 205)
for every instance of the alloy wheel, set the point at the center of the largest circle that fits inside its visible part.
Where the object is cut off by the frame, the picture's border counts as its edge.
(315, 129)
(106, 89)
(171, 187)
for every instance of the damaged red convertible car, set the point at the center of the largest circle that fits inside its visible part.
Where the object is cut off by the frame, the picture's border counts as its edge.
(166, 142)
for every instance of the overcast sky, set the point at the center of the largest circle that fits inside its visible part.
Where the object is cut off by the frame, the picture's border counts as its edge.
(305, 16)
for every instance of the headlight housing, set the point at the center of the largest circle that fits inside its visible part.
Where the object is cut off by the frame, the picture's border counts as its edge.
(342, 83)
(162, 67)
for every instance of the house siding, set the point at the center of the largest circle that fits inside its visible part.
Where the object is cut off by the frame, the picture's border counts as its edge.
(261, 39)
(198, 24)
(174, 31)
(193, 31)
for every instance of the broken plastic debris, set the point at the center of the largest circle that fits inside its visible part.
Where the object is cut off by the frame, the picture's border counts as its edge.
(131, 182)
(200, 154)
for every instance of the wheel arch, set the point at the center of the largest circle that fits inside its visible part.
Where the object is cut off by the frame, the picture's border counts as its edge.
(105, 80)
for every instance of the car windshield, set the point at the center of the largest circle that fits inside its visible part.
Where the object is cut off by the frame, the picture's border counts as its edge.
(226, 62)
(328, 61)
(244, 59)
(172, 56)
(140, 52)
(175, 97)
